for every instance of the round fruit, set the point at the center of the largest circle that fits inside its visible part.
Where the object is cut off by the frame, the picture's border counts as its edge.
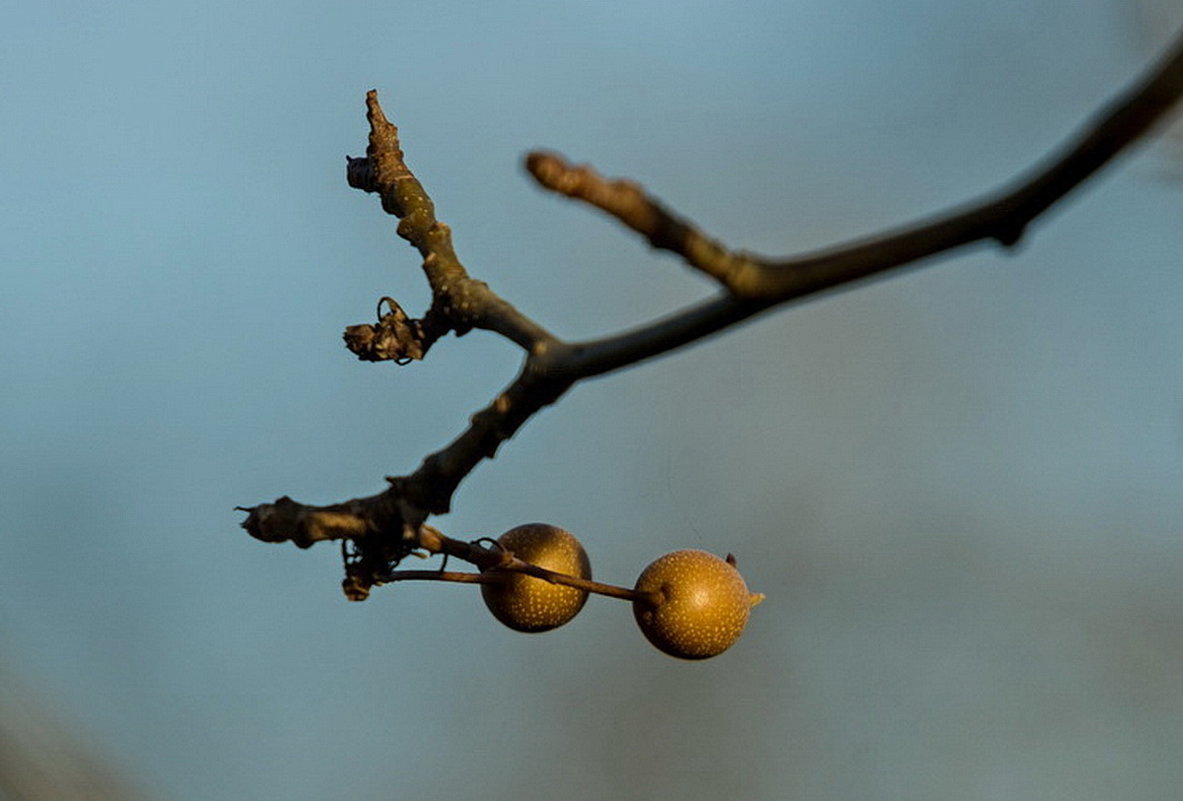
(526, 603)
(695, 604)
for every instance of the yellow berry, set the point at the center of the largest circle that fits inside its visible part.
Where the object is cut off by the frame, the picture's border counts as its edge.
(526, 603)
(694, 605)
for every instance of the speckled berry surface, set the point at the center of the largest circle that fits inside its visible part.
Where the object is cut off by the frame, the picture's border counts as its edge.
(702, 604)
(529, 604)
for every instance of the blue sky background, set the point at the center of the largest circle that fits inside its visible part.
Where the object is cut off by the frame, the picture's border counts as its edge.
(959, 488)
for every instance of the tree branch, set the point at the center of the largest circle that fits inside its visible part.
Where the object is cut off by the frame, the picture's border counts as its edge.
(1002, 216)
(386, 527)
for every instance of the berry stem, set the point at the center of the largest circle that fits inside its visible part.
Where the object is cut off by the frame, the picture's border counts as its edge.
(491, 560)
(433, 575)
(518, 566)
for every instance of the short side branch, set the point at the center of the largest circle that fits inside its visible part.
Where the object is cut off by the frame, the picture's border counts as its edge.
(305, 525)
(627, 201)
(458, 299)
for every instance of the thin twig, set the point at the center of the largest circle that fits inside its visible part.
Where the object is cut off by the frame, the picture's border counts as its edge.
(434, 575)
(1002, 216)
(498, 560)
(627, 201)
(495, 575)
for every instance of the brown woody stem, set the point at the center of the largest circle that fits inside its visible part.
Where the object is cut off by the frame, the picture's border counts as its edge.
(387, 526)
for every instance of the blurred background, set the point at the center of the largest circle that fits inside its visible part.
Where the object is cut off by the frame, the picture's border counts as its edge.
(959, 488)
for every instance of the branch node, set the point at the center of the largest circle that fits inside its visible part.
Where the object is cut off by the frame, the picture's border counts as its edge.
(1009, 234)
